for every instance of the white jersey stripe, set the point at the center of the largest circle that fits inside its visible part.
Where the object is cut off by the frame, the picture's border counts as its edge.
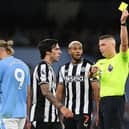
(34, 101)
(86, 93)
(32, 112)
(46, 111)
(77, 107)
(70, 88)
(53, 110)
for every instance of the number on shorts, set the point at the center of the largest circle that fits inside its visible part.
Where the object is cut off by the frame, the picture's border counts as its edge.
(20, 76)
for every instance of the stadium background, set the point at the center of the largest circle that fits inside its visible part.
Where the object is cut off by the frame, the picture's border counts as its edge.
(28, 21)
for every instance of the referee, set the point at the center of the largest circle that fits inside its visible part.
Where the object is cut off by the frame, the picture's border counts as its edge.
(114, 73)
(44, 114)
(73, 82)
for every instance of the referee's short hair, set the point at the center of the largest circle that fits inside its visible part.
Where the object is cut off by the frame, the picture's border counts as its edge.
(106, 36)
(46, 45)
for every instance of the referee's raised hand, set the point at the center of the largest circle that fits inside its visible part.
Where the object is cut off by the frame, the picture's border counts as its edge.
(66, 112)
(124, 16)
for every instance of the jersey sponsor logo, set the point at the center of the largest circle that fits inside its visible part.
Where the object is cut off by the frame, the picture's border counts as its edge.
(16, 62)
(66, 71)
(74, 78)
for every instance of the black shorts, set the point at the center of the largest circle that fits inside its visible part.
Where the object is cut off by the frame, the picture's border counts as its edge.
(111, 112)
(78, 122)
(43, 125)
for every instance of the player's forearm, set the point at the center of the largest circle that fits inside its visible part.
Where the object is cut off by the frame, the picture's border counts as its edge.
(124, 38)
(47, 93)
(95, 87)
(124, 31)
(59, 92)
(53, 99)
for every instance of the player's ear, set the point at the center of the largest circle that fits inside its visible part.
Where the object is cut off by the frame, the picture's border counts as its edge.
(47, 53)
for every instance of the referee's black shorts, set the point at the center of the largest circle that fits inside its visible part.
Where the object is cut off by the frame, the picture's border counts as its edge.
(111, 112)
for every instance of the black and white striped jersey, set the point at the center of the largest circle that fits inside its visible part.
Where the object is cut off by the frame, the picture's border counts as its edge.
(42, 109)
(78, 93)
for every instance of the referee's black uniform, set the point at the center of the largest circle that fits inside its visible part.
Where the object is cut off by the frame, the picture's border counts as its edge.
(78, 96)
(42, 111)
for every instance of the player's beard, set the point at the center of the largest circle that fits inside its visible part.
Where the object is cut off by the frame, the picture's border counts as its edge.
(77, 60)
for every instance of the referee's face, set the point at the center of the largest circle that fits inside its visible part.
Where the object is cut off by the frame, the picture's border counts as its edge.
(107, 47)
(76, 51)
(56, 53)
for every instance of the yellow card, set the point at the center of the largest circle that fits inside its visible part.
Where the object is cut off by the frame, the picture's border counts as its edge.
(123, 6)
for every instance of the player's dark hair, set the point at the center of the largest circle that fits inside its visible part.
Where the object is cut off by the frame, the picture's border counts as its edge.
(46, 45)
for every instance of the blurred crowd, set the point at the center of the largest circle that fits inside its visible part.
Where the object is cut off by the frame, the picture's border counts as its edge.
(65, 20)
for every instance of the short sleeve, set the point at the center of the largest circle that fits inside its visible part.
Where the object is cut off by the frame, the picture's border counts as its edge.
(61, 75)
(43, 74)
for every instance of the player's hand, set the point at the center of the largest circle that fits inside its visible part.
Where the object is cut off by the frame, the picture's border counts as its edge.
(27, 125)
(94, 69)
(97, 119)
(66, 112)
(124, 16)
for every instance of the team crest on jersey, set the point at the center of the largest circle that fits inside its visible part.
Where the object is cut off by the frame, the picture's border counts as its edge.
(110, 68)
(83, 69)
(43, 72)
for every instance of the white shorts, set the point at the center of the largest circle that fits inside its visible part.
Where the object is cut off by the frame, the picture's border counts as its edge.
(13, 123)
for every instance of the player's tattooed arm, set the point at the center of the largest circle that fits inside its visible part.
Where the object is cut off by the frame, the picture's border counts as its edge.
(48, 94)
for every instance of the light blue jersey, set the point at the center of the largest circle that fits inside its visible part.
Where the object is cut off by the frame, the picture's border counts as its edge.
(14, 81)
